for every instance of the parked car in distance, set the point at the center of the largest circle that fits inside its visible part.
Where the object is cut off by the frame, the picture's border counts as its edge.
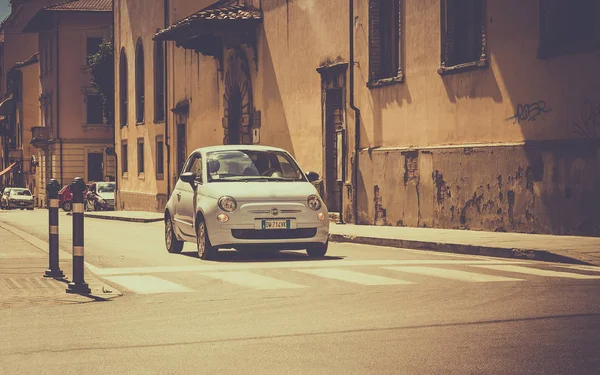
(245, 197)
(101, 196)
(20, 198)
(65, 197)
(4, 198)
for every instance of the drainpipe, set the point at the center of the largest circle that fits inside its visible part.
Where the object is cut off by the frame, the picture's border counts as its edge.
(166, 99)
(114, 132)
(356, 118)
(58, 99)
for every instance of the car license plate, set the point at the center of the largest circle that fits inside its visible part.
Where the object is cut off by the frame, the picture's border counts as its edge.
(275, 224)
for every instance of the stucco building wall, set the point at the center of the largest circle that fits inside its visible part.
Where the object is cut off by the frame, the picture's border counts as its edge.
(508, 146)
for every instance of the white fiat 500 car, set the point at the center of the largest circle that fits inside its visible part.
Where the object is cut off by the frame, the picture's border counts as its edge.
(245, 197)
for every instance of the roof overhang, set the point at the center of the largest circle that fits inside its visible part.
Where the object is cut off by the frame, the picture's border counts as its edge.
(207, 30)
(7, 169)
(7, 106)
(43, 19)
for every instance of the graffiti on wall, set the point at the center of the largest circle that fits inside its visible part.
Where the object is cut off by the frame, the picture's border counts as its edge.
(588, 126)
(529, 112)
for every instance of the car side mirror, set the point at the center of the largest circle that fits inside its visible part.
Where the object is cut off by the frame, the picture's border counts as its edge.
(312, 176)
(188, 177)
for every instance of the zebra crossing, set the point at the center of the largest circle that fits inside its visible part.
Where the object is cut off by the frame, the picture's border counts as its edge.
(341, 273)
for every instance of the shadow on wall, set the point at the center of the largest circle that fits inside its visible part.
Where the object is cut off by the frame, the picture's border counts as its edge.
(383, 98)
(274, 116)
(480, 83)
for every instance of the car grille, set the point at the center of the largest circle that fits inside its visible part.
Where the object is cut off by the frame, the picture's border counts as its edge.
(275, 234)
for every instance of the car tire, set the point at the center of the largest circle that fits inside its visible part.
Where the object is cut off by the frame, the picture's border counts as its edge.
(67, 206)
(174, 246)
(318, 251)
(206, 251)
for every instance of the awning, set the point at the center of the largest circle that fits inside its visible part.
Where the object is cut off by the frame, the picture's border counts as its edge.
(7, 169)
(7, 106)
(205, 30)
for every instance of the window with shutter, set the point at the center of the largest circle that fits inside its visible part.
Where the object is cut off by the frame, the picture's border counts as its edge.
(385, 32)
(567, 27)
(139, 83)
(123, 91)
(463, 35)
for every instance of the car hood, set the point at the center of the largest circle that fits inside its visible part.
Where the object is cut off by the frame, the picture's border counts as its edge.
(22, 197)
(107, 196)
(260, 190)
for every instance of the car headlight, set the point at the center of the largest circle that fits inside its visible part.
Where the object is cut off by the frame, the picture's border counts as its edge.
(227, 203)
(314, 202)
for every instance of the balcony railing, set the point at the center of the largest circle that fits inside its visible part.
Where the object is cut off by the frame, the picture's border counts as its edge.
(40, 135)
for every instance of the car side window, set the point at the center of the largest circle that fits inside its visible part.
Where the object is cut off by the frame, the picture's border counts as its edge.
(195, 166)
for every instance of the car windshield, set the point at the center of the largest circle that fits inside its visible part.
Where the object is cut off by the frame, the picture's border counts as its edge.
(105, 188)
(20, 192)
(252, 165)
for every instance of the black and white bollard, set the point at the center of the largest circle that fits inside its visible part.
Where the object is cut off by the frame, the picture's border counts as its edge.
(52, 189)
(78, 285)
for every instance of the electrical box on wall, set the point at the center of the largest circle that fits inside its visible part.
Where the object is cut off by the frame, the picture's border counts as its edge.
(255, 135)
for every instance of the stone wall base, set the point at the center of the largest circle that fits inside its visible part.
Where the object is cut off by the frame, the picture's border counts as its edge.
(546, 187)
(137, 201)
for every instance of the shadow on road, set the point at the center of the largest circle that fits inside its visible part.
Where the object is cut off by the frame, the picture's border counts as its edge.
(262, 256)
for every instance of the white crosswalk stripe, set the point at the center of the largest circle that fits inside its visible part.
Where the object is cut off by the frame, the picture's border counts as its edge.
(582, 268)
(537, 271)
(147, 284)
(452, 274)
(252, 280)
(355, 277)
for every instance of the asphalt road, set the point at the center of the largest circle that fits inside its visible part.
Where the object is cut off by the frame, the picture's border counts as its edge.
(362, 310)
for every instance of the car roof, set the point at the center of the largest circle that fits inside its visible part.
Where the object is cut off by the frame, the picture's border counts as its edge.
(237, 147)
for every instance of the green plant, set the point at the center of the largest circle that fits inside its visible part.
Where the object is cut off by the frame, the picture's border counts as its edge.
(101, 65)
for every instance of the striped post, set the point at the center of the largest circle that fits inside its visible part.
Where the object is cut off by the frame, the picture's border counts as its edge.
(78, 285)
(52, 189)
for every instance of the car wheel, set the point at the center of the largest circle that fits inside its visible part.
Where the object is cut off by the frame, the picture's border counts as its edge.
(205, 250)
(317, 251)
(67, 206)
(174, 246)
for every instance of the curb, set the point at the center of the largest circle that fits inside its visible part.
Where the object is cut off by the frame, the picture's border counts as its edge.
(500, 252)
(119, 218)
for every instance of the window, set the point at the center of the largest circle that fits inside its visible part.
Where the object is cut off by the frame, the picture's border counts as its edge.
(384, 42)
(123, 92)
(159, 82)
(140, 156)
(92, 46)
(160, 158)
(95, 166)
(94, 109)
(463, 31)
(139, 82)
(124, 159)
(567, 26)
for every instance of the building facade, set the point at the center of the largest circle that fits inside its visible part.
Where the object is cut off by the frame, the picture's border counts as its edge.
(72, 135)
(20, 88)
(436, 113)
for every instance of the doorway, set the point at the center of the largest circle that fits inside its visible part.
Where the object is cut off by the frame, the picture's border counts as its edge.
(95, 166)
(181, 148)
(234, 117)
(334, 119)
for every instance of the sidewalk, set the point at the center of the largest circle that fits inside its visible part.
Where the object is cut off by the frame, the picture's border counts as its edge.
(565, 249)
(23, 261)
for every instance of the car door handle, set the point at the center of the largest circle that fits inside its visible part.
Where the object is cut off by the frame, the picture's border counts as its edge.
(178, 196)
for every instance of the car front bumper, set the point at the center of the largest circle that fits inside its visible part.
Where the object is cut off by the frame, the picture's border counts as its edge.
(244, 228)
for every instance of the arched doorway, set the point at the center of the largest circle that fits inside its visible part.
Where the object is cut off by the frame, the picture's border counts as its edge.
(237, 100)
